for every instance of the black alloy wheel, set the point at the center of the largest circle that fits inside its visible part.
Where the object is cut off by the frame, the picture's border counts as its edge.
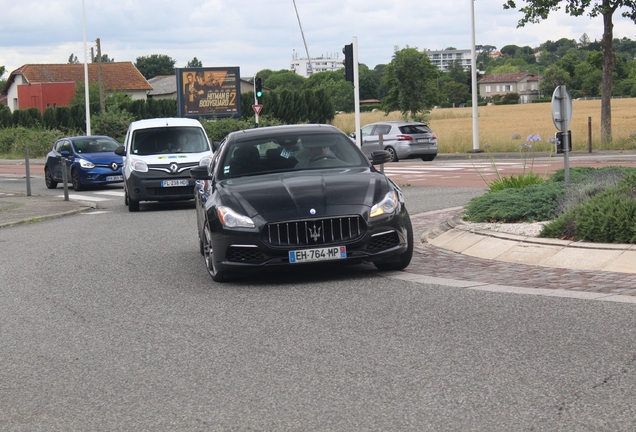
(77, 182)
(208, 253)
(48, 179)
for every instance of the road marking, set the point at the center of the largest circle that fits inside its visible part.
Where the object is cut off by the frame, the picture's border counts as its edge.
(111, 193)
(84, 197)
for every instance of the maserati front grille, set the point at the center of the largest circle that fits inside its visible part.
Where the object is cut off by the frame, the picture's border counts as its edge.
(314, 232)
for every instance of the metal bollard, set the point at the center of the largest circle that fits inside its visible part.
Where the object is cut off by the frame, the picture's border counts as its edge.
(28, 171)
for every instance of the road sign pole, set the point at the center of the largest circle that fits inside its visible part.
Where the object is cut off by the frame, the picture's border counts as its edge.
(255, 103)
(561, 116)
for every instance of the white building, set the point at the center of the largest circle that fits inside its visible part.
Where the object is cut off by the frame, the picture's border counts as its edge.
(442, 59)
(329, 62)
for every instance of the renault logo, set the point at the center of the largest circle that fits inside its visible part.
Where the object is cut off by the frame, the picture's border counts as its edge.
(314, 233)
(174, 168)
(114, 166)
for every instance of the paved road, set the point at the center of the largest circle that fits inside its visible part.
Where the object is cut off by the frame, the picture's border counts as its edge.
(101, 331)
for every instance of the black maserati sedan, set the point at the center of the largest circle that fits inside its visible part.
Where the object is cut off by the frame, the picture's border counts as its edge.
(298, 195)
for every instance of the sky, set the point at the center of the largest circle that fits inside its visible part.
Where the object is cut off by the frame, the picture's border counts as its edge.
(266, 34)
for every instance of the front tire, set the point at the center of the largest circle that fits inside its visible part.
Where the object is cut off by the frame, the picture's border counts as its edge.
(404, 259)
(48, 179)
(77, 182)
(208, 254)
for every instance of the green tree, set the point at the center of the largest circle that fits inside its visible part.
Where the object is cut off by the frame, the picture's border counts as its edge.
(105, 59)
(72, 59)
(410, 80)
(537, 10)
(339, 90)
(3, 81)
(456, 93)
(155, 65)
(368, 83)
(554, 76)
(284, 79)
(194, 63)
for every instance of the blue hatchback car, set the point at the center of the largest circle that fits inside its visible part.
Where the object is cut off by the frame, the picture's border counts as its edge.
(90, 160)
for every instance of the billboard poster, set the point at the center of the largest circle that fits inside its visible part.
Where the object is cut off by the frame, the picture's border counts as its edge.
(209, 92)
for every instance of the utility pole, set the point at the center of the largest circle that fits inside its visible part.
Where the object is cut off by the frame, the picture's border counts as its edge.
(102, 106)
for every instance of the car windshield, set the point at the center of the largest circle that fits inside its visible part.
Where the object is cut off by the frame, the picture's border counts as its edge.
(414, 129)
(184, 139)
(288, 153)
(95, 145)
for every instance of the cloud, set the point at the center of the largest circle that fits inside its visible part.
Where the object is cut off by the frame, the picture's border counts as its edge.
(257, 35)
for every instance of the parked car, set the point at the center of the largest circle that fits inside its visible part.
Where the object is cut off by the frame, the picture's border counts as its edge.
(298, 195)
(158, 155)
(90, 160)
(404, 140)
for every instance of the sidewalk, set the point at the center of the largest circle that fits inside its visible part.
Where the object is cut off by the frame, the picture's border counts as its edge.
(19, 208)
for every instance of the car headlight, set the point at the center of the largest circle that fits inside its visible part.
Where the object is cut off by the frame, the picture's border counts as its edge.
(138, 165)
(387, 206)
(231, 219)
(86, 164)
(206, 161)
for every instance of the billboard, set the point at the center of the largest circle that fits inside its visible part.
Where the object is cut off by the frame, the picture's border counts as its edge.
(209, 92)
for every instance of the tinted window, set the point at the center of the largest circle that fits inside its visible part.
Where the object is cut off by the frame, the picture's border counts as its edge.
(182, 139)
(95, 145)
(414, 129)
(269, 154)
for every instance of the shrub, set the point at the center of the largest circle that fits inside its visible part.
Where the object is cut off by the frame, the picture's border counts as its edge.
(607, 217)
(113, 123)
(528, 204)
(14, 140)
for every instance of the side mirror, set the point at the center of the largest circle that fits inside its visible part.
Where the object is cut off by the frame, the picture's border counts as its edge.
(120, 151)
(380, 156)
(200, 173)
(65, 153)
(215, 145)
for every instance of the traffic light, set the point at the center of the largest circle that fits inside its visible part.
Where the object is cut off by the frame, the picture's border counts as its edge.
(258, 84)
(348, 62)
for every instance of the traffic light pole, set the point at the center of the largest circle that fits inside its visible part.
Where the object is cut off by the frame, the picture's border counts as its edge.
(255, 103)
(356, 91)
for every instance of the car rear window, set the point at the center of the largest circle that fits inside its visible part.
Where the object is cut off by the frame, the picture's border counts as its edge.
(414, 129)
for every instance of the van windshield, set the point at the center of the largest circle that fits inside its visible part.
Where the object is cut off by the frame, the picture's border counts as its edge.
(178, 139)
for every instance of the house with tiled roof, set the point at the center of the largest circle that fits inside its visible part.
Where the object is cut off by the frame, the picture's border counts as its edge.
(50, 85)
(525, 84)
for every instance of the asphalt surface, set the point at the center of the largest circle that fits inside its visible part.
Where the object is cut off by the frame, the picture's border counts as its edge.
(442, 261)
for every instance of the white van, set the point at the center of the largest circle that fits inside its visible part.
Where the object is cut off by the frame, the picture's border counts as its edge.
(158, 155)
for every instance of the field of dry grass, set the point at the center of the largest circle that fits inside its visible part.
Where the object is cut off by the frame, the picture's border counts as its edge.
(498, 124)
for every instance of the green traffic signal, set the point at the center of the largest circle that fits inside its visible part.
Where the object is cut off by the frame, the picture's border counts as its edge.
(258, 84)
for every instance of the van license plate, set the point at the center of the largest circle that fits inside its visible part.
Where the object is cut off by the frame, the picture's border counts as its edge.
(173, 183)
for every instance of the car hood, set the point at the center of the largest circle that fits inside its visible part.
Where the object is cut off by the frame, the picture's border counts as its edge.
(327, 193)
(101, 158)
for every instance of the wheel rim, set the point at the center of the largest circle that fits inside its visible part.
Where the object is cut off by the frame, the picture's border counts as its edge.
(208, 251)
(393, 155)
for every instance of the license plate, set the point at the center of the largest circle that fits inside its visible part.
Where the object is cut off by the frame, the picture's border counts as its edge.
(173, 183)
(114, 178)
(318, 254)
(423, 140)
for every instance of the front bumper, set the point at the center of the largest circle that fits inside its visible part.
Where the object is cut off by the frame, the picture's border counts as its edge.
(150, 187)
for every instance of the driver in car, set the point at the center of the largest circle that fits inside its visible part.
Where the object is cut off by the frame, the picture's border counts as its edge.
(313, 149)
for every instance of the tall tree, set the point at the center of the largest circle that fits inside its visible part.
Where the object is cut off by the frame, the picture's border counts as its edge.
(537, 10)
(194, 63)
(410, 80)
(155, 65)
(72, 59)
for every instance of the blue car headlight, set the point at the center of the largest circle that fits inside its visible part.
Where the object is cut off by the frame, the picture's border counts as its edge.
(388, 205)
(86, 164)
